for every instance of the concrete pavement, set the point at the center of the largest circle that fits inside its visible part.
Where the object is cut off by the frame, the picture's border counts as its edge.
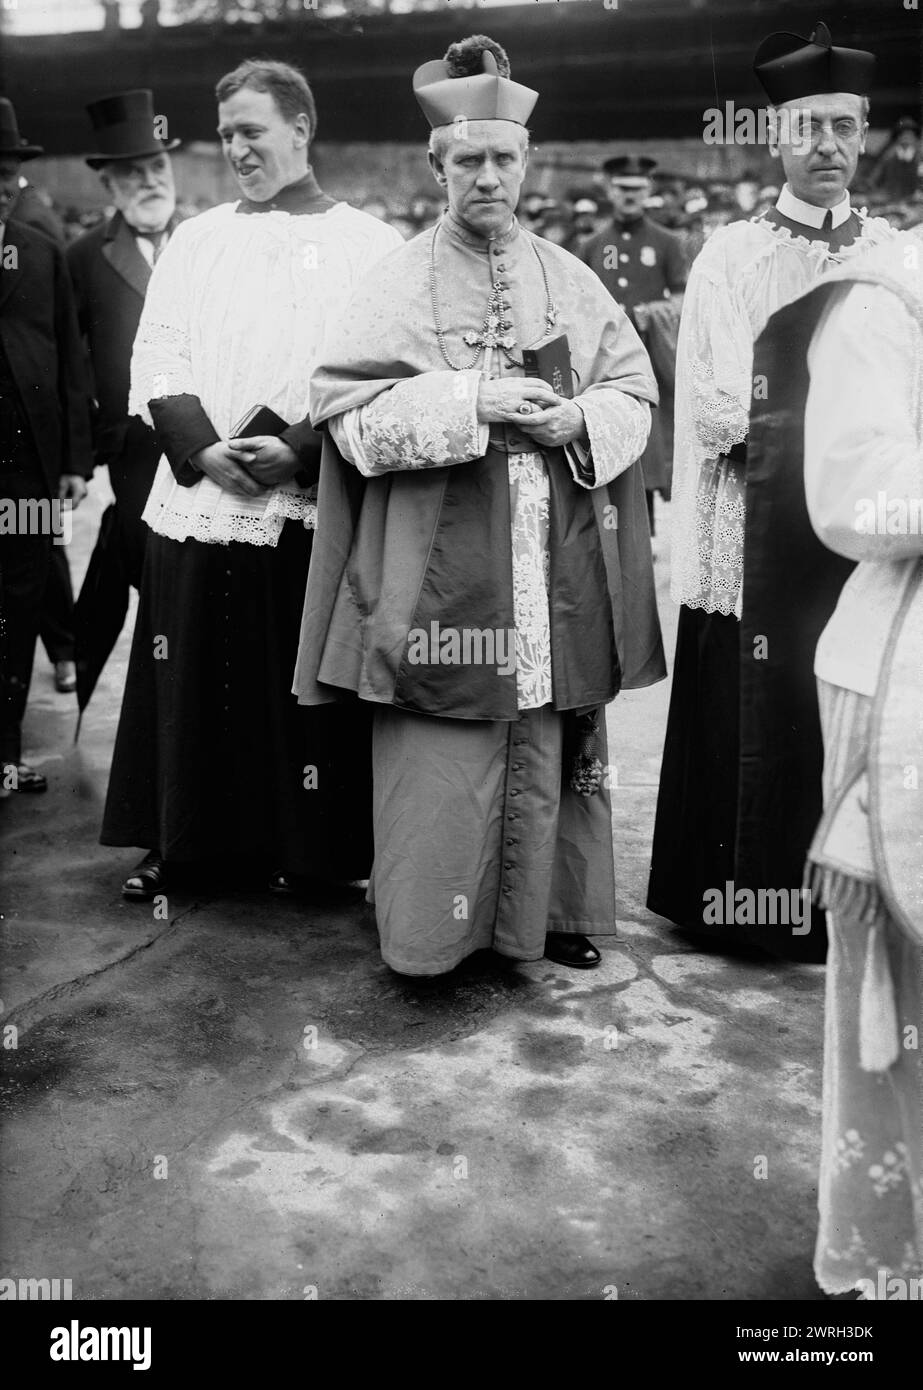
(241, 1101)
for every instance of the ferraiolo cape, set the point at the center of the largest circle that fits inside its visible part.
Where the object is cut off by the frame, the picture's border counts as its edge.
(791, 586)
(421, 545)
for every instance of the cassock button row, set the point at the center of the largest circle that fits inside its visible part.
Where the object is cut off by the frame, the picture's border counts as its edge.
(514, 792)
(511, 841)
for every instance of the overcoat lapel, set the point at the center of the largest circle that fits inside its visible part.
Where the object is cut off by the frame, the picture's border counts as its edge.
(122, 253)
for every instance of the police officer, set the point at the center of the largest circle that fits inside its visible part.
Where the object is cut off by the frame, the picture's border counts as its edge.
(636, 259)
(640, 263)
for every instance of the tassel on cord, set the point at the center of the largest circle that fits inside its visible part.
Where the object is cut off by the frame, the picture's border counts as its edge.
(859, 899)
(586, 773)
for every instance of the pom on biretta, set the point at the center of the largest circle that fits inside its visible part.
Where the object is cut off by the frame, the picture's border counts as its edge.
(472, 82)
(790, 67)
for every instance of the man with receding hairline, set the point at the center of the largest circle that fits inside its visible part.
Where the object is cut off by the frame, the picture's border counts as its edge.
(214, 761)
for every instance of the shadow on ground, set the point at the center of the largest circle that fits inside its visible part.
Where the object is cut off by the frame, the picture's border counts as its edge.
(232, 1097)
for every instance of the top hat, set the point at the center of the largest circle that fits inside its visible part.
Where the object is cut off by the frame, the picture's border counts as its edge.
(445, 94)
(629, 166)
(124, 128)
(789, 66)
(10, 139)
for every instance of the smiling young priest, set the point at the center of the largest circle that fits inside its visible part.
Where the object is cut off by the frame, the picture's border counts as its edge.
(467, 511)
(721, 815)
(213, 759)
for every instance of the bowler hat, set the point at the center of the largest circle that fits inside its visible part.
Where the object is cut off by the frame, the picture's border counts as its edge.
(124, 128)
(10, 140)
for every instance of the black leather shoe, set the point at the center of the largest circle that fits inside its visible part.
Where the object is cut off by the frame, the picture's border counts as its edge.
(146, 879)
(567, 948)
(20, 777)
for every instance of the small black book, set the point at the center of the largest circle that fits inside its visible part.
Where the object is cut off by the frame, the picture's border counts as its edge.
(259, 420)
(551, 363)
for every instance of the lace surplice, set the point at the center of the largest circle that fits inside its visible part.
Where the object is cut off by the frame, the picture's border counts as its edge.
(744, 273)
(235, 314)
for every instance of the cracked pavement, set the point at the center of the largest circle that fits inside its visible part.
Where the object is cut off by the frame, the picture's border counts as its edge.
(241, 1101)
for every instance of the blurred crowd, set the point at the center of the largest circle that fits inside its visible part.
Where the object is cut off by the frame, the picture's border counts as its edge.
(889, 184)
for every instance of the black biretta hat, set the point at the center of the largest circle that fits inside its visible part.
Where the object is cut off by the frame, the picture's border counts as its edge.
(124, 128)
(789, 66)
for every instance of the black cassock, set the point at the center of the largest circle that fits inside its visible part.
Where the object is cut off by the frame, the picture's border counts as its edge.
(214, 758)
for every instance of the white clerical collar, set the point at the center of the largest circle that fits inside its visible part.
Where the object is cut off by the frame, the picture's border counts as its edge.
(807, 213)
(457, 228)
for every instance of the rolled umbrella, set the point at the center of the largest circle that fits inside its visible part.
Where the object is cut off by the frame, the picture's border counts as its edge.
(100, 610)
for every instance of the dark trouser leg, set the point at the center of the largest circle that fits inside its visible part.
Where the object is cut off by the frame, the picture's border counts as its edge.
(25, 561)
(57, 619)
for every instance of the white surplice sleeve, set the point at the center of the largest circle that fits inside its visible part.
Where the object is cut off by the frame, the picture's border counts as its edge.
(427, 421)
(714, 364)
(618, 426)
(862, 455)
(716, 346)
(161, 358)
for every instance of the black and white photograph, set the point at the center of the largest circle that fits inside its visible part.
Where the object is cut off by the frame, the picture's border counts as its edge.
(461, 666)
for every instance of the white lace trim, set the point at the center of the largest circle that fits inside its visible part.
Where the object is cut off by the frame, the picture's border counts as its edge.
(530, 500)
(618, 426)
(208, 514)
(427, 421)
(170, 375)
